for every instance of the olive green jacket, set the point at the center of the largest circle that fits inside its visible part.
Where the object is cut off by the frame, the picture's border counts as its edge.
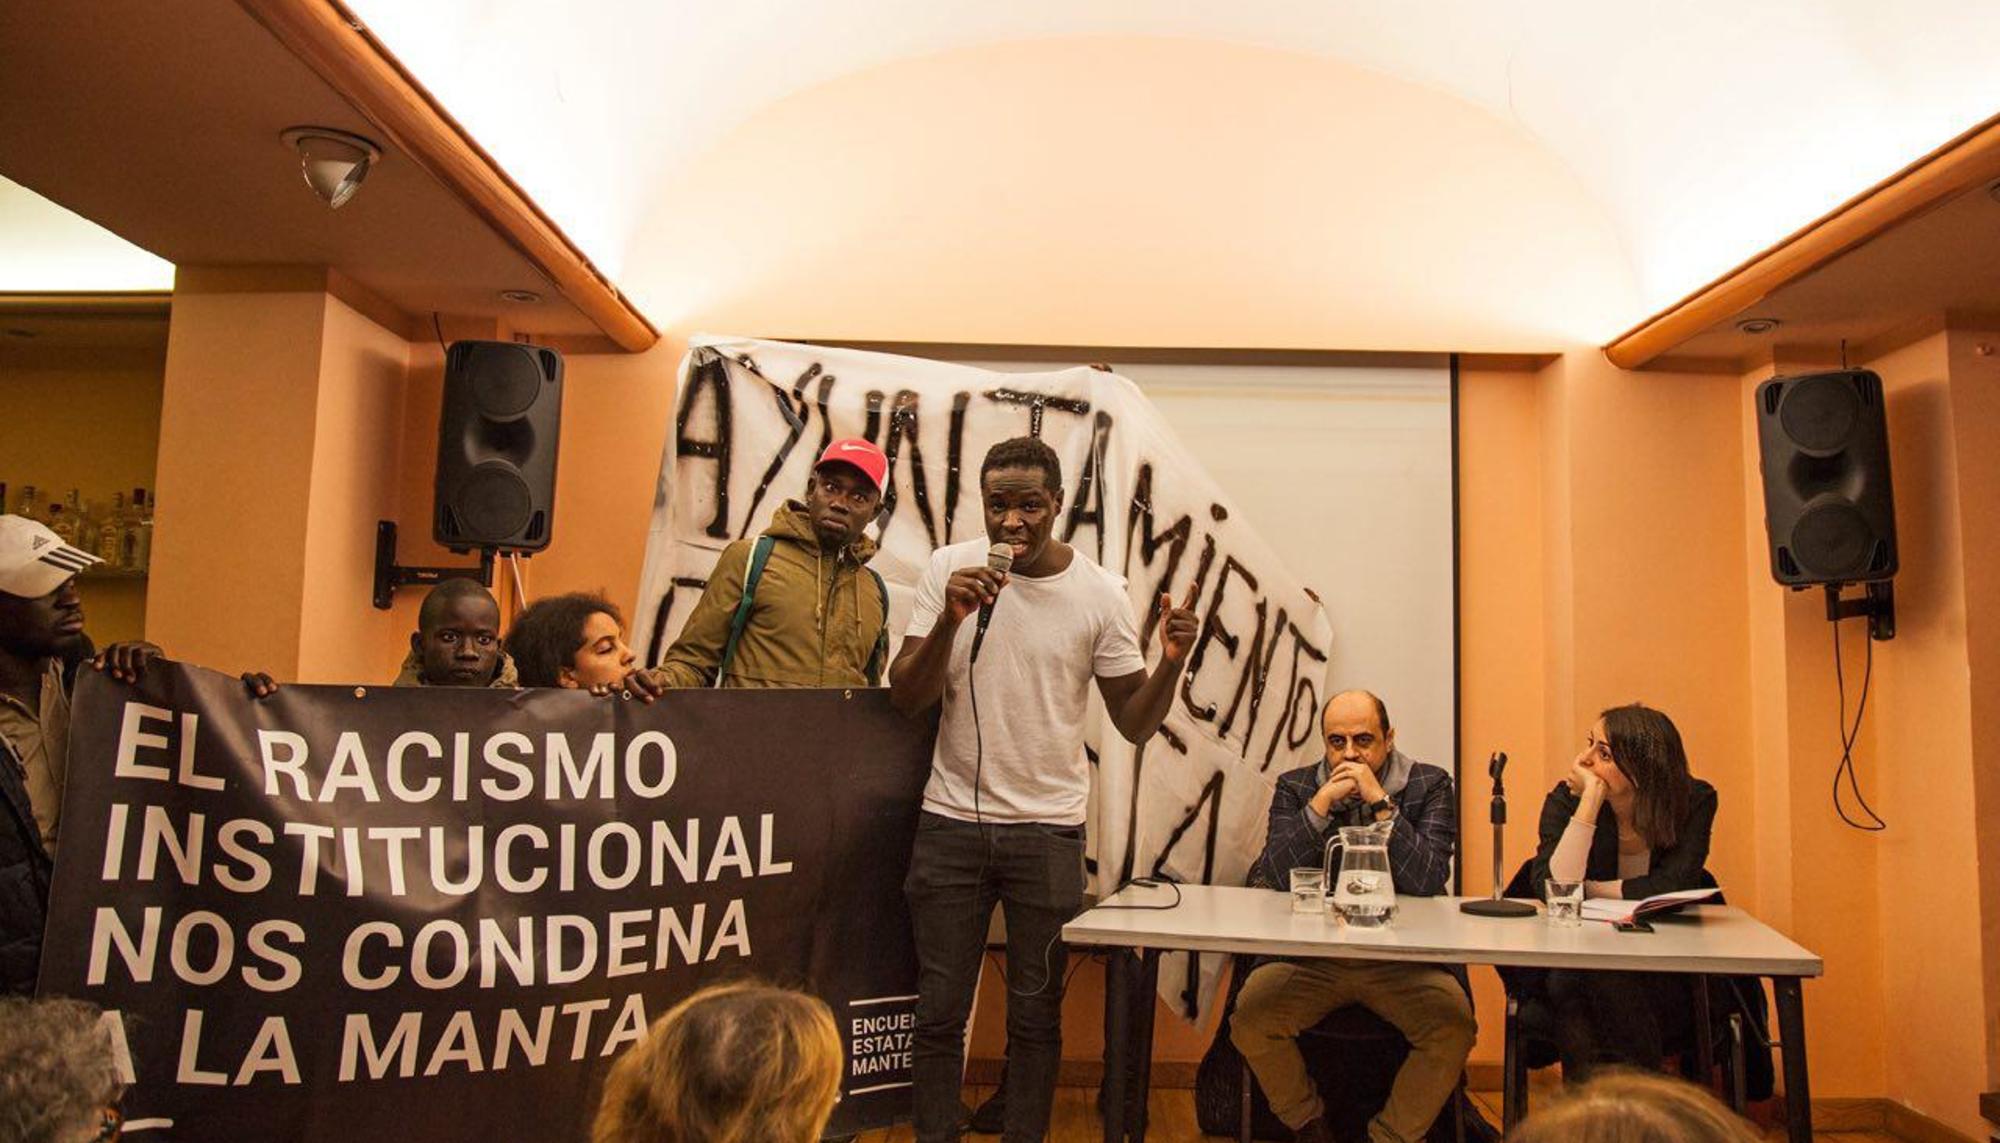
(813, 619)
(411, 673)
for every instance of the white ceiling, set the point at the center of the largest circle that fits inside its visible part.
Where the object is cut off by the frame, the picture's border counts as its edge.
(47, 249)
(1704, 130)
(1707, 130)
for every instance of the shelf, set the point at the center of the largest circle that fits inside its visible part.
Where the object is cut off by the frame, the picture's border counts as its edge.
(93, 574)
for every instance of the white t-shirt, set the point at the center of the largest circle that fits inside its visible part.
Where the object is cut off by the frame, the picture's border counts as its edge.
(1049, 638)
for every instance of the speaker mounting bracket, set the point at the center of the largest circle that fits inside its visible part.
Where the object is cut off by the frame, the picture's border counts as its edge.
(390, 575)
(1877, 605)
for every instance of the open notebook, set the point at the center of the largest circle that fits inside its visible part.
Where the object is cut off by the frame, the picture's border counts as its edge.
(1616, 909)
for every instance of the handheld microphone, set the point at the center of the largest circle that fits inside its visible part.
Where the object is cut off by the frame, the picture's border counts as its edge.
(1000, 558)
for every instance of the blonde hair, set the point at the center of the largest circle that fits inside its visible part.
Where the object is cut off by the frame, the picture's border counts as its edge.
(1619, 1106)
(734, 1063)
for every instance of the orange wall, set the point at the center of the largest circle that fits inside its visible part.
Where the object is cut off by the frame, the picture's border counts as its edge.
(1935, 988)
(1814, 876)
(616, 410)
(1975, 363)
(1655, 544)
(237, 430)
(1904, 918)
(355, 470)
(294, 423)
(1501, 609)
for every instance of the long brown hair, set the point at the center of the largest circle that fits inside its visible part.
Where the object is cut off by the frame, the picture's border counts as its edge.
(1634, 1107)
(734, 1063)
(1647, 747)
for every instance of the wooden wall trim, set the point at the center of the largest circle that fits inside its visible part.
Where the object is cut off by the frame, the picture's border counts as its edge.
(133, 303)
(1971, 160)
(338, 47)
(1506, 362)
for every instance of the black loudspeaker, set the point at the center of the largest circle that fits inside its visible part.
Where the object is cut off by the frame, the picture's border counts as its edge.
(1828, 507)
(497, 433)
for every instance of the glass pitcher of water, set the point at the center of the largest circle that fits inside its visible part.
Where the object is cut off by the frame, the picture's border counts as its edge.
(1362, 891)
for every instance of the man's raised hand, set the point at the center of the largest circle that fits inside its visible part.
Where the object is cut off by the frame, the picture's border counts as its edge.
(971, 588)
(1178, 625)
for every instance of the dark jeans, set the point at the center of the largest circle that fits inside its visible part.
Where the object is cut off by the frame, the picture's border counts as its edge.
(1628, 1019)
(958, 870)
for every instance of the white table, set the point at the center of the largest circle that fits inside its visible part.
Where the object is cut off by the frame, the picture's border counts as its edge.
(1716, 940)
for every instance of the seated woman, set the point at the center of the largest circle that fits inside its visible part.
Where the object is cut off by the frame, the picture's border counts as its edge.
(576, 641)
(1628, 821)
(734, 1063)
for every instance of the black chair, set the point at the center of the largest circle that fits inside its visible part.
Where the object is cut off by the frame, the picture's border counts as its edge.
(1729, 1015)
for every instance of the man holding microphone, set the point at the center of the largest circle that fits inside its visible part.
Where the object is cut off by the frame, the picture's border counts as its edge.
(1004, 809)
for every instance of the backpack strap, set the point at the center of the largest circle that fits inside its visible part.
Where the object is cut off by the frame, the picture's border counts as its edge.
(760, 554)
(878, 659)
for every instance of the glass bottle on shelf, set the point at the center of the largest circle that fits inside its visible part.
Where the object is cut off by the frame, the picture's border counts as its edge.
(88, 524)
(62, 524)
(31, 502)
(141, 535)
(128, 530)
(3, 498)
(110, 545)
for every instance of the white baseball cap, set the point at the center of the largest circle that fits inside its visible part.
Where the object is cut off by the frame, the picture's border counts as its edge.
(34, 561)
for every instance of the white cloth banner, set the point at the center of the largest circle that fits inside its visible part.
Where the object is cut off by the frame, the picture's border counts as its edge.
(1191, 802)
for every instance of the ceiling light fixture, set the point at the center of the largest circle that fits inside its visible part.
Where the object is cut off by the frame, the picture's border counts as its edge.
(523, 296)
(333, 161)
(1757, 326)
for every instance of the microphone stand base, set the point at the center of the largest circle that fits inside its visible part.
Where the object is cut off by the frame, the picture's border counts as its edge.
(1497, 907)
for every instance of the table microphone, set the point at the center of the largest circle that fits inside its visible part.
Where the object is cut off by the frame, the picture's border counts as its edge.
(1496, 905)
(1000, 558)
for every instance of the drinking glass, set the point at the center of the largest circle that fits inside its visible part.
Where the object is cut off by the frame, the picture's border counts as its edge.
(1308, 890)
(1565, 900)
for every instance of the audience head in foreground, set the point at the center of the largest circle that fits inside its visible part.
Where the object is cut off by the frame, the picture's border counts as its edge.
(59, 1080)
(457, 640)
(1634, 1107)
(575, 641)
(735, 1063)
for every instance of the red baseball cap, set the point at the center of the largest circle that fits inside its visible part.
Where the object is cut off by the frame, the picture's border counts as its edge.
(862, 455)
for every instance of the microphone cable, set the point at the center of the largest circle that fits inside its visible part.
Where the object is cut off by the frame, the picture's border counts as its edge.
(1142, 882)
(1148, 883)
(999, 557)
(1873, 823)
(978, 738)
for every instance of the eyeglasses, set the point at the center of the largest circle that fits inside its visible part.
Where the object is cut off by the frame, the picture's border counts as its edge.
(111, 1126)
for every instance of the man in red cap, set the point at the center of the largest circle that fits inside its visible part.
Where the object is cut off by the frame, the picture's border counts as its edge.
(797, 607)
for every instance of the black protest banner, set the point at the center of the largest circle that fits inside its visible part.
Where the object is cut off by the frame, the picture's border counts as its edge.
(344, 913)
